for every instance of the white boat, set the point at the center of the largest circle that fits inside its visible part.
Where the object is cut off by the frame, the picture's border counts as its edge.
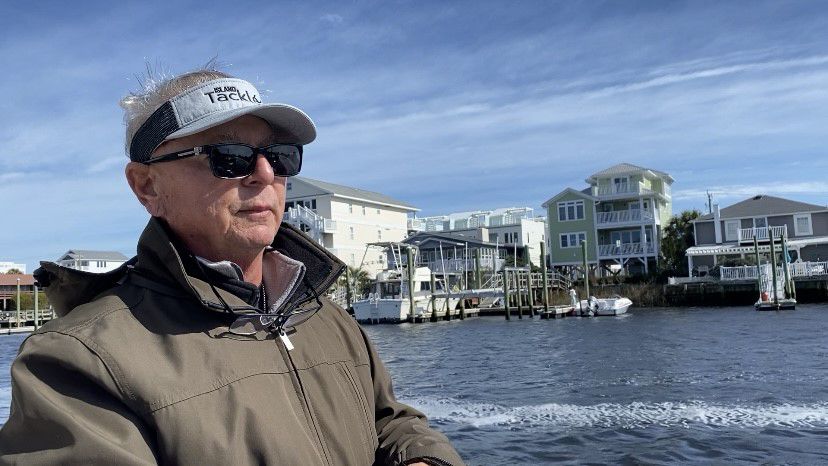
(389, 297)
(600, 306)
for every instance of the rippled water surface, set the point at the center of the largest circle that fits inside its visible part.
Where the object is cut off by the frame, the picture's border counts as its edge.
(657, 386)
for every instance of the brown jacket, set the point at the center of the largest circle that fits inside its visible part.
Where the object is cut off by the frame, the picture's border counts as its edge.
(141, 369)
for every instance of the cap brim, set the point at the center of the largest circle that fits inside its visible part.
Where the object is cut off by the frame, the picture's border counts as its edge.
(297, 125)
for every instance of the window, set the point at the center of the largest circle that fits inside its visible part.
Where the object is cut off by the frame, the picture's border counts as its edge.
(289, 185)
(288, 205)
(625, 237)
(621, 185)
(572, 240)
(101, 264)
(350, 208)
(732, 230)
(570, 210)
(363, 210)
(313, 204)
(760, 222)
(351, 232)
(378, 211)
(379, 235)
(802, 225)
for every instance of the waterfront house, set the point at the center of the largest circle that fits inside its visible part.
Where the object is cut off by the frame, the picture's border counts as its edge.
(728, 233)
(5, 266)
(8, 289)
(92, 261)
(508, 229)
(345, 219)
(454, 251)
(620, 215)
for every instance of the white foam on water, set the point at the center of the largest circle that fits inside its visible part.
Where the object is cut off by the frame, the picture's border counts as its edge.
(632, 415)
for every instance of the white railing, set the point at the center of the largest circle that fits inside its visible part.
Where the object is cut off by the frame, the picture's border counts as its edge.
(623, 188)
(761, 233)
(626, 249)
(624, 216)
(302, 215)
(797, 269)
(459, 265)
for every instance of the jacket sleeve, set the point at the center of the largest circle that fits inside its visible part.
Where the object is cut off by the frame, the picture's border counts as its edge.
(66, 409)
(403, 432)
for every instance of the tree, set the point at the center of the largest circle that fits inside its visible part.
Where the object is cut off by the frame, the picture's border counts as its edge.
(678, 237)
(360, 282)
(14, 271)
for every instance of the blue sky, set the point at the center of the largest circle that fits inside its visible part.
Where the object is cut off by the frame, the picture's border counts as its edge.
(450, 106)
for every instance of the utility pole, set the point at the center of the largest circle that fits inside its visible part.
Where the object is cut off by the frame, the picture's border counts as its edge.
(709, 202)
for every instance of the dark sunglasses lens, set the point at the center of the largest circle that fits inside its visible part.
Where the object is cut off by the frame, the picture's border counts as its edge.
(286, 160)
(232, 160)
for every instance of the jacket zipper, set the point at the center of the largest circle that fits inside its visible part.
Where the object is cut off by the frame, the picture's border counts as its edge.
(304, 400)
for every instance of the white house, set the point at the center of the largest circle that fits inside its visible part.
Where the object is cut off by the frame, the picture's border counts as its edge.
(8, 265)
(509, 228)
(92, 261)
(345, 219)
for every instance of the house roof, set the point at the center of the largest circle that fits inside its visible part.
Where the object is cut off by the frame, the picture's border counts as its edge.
(11, 279)
(626, 168)
(452, 238)
(764, 205)
(85, 254)
(585, 193)
(355, 193)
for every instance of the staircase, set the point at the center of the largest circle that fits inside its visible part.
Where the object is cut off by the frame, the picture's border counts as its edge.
(313, 224)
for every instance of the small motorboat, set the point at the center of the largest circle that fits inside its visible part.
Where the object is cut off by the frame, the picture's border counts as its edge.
(593, 306)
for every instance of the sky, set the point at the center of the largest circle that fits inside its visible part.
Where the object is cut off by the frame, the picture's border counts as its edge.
(449, 106)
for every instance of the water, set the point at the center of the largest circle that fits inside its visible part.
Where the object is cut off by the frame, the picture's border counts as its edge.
(663, 386)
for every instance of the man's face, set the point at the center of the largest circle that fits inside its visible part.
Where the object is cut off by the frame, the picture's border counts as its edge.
(216, 218)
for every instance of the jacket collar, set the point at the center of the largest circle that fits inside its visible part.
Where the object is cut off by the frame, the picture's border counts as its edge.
(160, 266)
(161, 259)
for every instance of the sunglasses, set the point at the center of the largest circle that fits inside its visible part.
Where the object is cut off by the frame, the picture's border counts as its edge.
(235, 160)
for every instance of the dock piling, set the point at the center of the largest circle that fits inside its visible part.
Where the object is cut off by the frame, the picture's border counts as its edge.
(506, 293)
(545, 278)
(433, 299)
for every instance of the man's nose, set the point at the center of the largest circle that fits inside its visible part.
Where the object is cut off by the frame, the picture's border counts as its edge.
(262, 172)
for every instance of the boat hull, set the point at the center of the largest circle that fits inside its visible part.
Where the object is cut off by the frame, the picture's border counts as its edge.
(396, 310)
(607, 306)
(782, 305)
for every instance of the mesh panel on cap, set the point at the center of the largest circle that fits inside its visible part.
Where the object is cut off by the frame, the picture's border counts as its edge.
(152, 133)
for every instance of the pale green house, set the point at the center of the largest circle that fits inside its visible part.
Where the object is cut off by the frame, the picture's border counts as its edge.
(620, 215)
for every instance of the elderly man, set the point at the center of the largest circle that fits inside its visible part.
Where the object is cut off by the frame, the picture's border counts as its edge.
(214, 345)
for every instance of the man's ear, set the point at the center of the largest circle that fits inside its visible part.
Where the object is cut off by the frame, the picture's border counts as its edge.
(142, 182)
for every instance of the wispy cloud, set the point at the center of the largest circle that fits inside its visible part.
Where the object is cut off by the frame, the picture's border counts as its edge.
(449, 106)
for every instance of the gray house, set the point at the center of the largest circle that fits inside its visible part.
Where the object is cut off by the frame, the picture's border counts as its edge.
(729, 232)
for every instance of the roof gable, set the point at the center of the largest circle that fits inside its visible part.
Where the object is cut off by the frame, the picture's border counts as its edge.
(582, 194)
(625, 169)
(87, 254)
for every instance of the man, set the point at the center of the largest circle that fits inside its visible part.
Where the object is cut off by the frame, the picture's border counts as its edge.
(214, 345)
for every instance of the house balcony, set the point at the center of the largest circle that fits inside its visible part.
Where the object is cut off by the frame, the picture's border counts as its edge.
(624, 191)
(612, 251)
(746, 235)
(623, 217)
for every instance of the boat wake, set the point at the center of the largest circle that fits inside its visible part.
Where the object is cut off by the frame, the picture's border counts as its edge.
(632, 415)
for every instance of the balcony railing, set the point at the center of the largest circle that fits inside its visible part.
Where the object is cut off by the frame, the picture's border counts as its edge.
(621, 188)
(761, 233)
(624, 216)
(626, 249)
(797, 269)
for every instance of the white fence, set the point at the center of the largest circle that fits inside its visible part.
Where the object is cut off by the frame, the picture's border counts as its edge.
(798, 269)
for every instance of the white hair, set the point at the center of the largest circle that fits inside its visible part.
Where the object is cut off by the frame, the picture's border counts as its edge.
(156, 88)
